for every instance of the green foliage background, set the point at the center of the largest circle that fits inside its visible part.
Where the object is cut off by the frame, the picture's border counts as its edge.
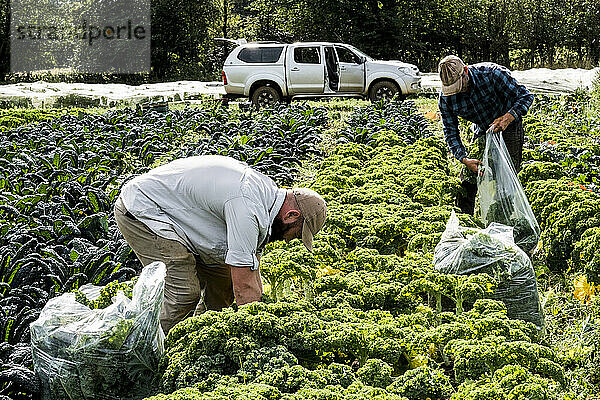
(517, 33)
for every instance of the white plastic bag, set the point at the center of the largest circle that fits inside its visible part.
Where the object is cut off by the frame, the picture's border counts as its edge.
(501, 196)
(465, 251)
(112, 353)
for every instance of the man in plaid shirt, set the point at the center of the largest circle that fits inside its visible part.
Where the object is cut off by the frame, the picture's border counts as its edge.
(487, 95)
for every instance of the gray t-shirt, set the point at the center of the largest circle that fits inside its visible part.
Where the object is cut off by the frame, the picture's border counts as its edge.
(218, 207)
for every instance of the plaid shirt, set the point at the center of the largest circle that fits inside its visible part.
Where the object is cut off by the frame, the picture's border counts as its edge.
(493, 92)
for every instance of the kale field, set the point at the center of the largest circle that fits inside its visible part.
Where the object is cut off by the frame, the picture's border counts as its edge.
(366, 315)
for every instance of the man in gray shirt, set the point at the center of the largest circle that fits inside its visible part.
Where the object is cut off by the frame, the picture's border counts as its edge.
(208, 218)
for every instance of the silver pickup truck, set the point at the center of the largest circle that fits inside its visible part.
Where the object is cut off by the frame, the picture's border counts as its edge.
(271, 72)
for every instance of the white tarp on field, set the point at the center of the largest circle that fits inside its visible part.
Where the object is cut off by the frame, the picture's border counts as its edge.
(44, 94)
(539, 80)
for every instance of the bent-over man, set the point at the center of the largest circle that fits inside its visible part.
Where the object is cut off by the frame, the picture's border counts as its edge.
(208, 218)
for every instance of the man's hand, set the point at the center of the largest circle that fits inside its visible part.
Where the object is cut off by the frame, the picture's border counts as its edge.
(246, 287)
(501, 123)
(473, 165)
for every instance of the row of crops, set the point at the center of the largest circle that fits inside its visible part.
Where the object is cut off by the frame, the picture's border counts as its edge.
(364, 316)
(562, 181)
(59, 179)
(369, 316)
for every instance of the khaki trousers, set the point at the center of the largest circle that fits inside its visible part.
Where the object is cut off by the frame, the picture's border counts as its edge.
(191, 287)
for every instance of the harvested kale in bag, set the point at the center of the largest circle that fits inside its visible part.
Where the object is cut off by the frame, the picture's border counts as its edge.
(81, 353)
(465, 251)
(501, 196)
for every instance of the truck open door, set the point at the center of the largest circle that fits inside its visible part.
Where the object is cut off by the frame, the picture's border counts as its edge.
(352, 70)
(332, 70)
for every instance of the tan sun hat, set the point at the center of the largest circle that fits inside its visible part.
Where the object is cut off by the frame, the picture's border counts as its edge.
(451, 70)
(314, 210)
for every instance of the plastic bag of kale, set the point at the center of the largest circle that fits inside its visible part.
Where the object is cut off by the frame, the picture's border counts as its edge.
(501, 196)
(112, 353)
(465, 251)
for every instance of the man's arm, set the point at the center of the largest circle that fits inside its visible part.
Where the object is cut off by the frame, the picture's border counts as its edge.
(452, 136)
(451, 132)
(246, 288)
(242, 234)
(242, 237)
(505, 83)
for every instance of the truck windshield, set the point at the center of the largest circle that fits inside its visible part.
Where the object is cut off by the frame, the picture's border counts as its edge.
(360, 53)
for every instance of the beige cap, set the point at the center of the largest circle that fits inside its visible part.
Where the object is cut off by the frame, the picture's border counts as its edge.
(314, 210)
(451, 70)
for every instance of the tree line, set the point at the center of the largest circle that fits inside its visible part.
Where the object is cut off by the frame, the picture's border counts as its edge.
(519, 34)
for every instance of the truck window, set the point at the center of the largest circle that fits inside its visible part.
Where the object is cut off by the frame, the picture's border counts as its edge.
(346, 56)
(260, 54)
(307, 55)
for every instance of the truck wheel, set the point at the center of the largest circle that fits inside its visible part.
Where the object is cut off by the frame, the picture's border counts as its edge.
(265, 96)
(384, 90)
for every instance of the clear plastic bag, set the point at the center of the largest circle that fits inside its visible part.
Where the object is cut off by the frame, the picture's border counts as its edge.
(113, 353)
(501, 196)
(465, 251)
